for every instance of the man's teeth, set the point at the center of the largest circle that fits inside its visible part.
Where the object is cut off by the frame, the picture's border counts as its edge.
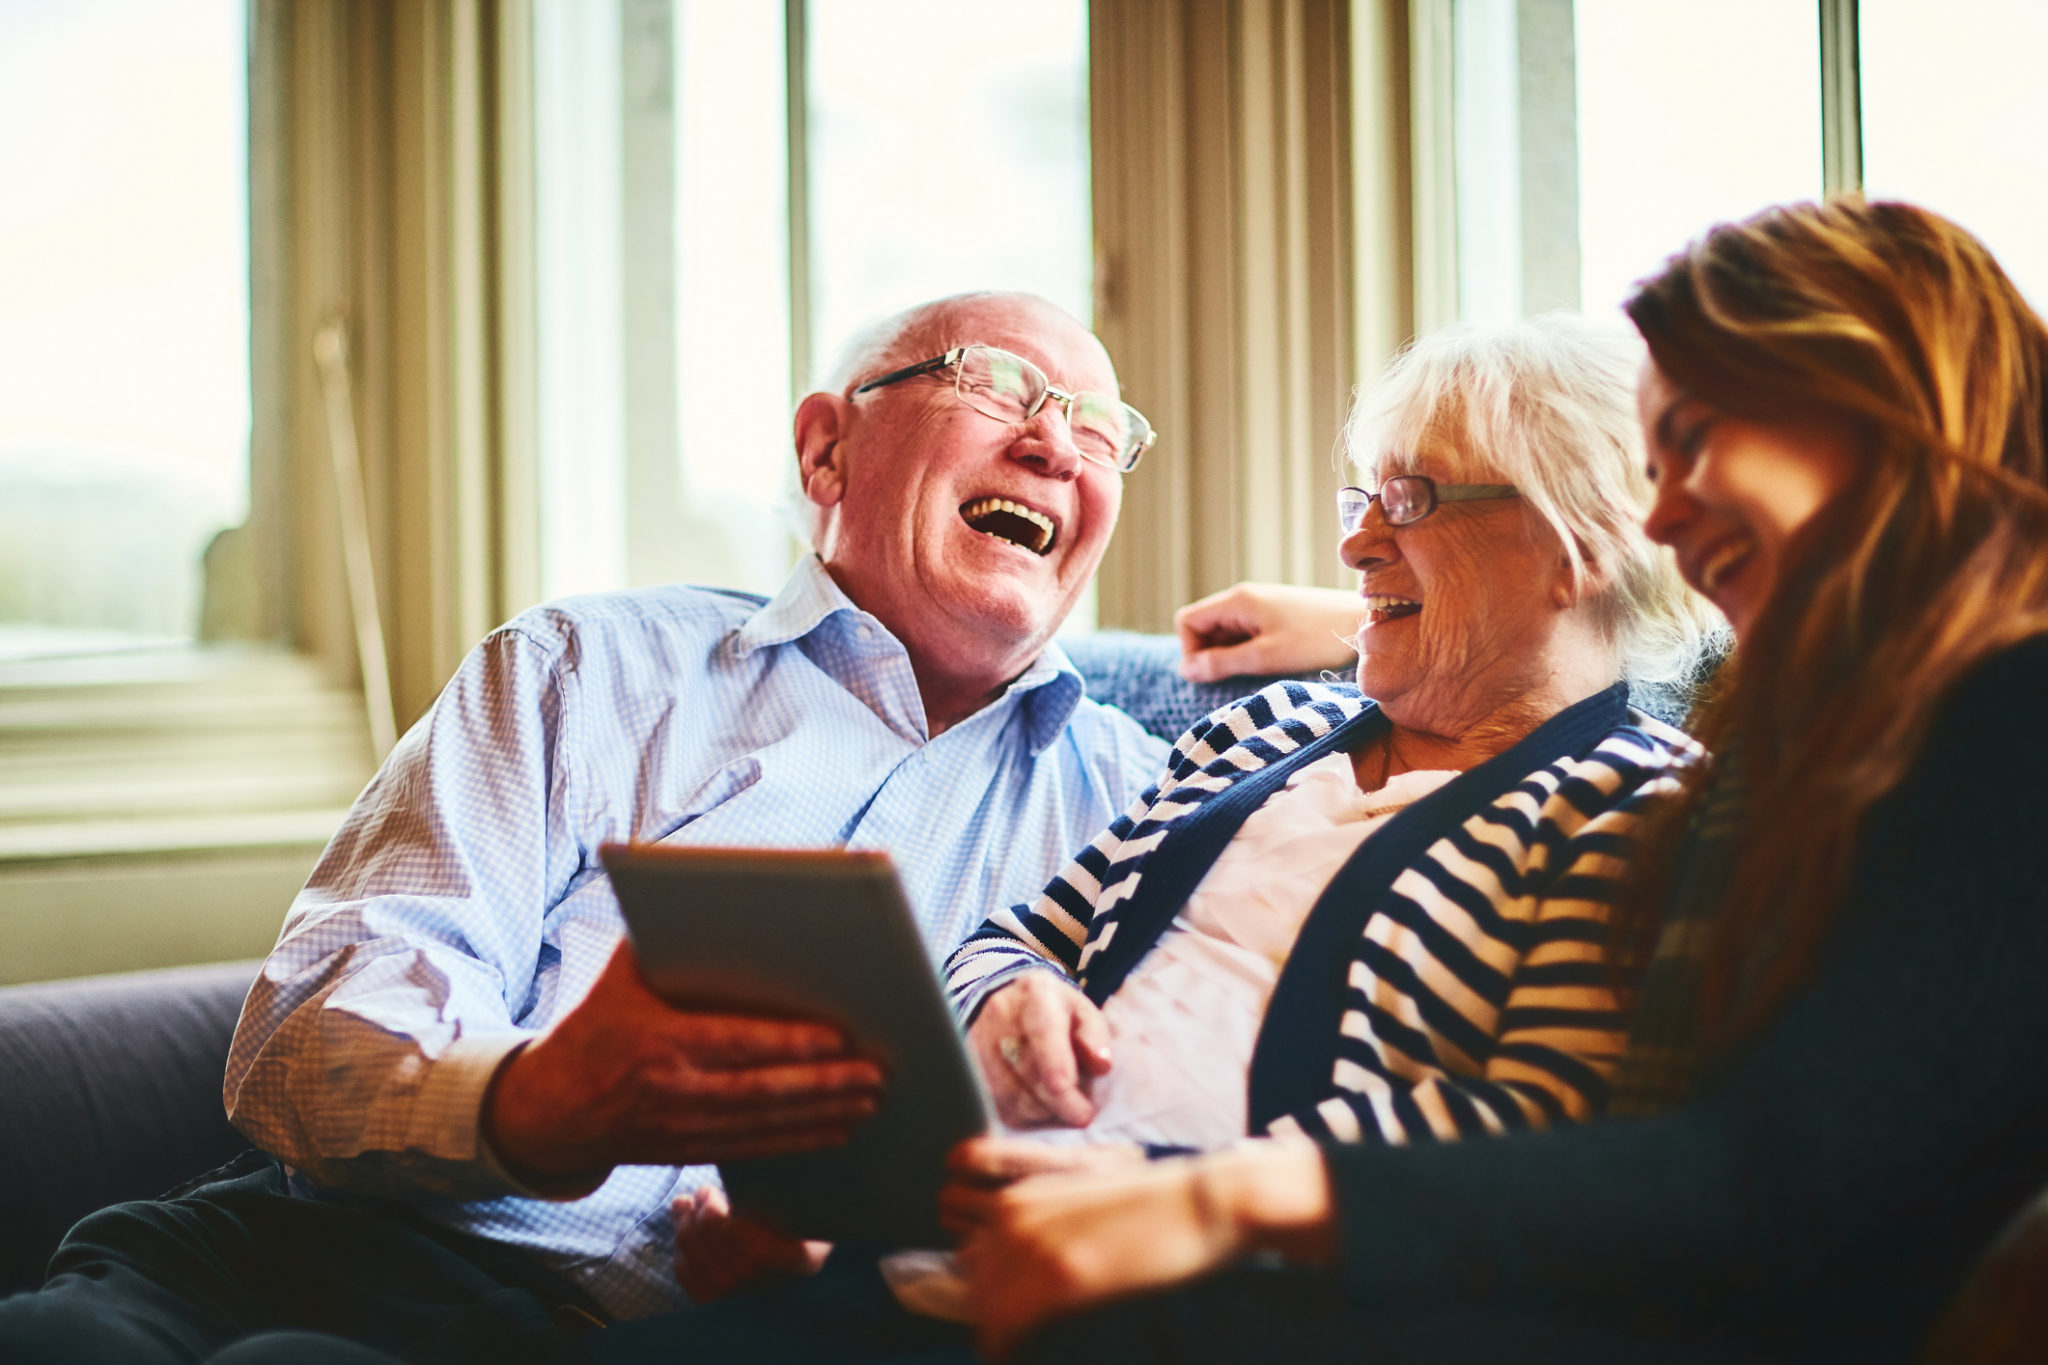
(1723, 562)
(1011, 521)
(1380, 606)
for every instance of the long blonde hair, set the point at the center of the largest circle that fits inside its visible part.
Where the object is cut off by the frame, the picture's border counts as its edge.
(1900, 323)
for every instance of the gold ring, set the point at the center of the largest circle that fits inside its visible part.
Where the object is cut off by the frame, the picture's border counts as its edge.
(1011, 1048)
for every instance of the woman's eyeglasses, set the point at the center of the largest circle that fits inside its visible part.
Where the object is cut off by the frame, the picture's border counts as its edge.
(1407, 498)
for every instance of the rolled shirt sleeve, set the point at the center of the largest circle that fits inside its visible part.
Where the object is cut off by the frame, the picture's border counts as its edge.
(409, 960)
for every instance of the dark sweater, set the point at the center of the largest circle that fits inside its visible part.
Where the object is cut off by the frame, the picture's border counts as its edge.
(1831, 1186)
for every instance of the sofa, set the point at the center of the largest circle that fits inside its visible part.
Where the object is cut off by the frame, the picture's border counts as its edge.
(110, 1087)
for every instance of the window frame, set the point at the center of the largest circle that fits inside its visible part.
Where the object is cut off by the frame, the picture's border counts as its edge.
(390, 186)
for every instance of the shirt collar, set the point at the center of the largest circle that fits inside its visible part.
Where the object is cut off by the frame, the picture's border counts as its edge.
(808, 599)
(1054, 689)
(1048, 690)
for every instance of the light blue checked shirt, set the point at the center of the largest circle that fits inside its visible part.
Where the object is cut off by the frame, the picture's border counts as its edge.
(461, 908)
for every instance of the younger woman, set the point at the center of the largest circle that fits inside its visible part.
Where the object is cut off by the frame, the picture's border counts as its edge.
(1833, 1089)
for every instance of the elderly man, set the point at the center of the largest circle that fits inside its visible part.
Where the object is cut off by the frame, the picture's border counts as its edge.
(478, 1105)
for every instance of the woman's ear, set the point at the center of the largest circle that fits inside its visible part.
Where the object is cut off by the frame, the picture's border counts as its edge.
(820, 463)
(1592, 580)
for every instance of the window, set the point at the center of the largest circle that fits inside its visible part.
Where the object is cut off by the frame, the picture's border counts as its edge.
(124, 317)
(1955, 116)
(160, 800)
(1592, 138)
(948, 152)
(1687, 114)
(691, 284)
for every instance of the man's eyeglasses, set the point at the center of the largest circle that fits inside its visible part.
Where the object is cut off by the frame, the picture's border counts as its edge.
(1010, 388)
(1407, 498)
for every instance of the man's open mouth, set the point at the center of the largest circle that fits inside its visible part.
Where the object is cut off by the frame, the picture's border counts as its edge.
(1011, 521)
(1382, 607)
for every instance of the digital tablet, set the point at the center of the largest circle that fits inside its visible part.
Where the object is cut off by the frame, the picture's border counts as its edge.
(816, 934)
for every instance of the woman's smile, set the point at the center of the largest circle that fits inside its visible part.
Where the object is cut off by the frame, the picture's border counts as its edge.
(1382, 607)
(1721, 560)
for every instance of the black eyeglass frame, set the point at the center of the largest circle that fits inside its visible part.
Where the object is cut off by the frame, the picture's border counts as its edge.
(1123, 464)
(1438, 494)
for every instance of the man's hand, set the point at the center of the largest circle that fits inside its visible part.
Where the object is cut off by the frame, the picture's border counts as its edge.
(1262, 628)
(1040, 1043)
(627, 1079)
(1057, 1244)
(717, 1253)
(982, 1167)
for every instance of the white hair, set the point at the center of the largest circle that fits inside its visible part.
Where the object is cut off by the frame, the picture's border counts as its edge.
(1547, 405)
(917, 333)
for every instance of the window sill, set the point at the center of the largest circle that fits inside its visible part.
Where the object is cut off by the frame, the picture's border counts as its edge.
(193, 749)
(66, 841)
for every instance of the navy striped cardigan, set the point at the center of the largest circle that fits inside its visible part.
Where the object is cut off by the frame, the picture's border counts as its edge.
(1450, 980)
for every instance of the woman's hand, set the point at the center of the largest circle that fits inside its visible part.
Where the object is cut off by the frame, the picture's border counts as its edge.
(717, 1253)
(1054, 1245)
(1041, 1044)
(1259, 628)
(983, 1167)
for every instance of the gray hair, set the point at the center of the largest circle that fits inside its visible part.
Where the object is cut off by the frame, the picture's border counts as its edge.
(917, 333)
(1548, 404)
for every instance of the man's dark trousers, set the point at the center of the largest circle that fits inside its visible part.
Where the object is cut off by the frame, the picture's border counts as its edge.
(233, 1260)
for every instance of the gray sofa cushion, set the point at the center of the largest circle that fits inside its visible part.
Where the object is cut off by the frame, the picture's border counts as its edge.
(111, 1091)
(1137, 674)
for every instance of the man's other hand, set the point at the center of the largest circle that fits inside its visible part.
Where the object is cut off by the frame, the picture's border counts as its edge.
(627, 1079)
(717, 1253)
(1041, 1044)
(1267, 628)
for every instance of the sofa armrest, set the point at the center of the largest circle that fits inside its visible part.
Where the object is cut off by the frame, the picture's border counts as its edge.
(113, 1092)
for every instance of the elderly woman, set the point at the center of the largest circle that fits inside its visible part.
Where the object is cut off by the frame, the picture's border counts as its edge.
(1376, 920)
(1833, 1085)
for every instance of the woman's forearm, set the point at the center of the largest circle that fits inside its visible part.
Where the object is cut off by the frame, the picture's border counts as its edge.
(1270, 1196)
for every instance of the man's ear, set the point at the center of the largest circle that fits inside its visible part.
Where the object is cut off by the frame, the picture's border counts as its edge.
(820, 467)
